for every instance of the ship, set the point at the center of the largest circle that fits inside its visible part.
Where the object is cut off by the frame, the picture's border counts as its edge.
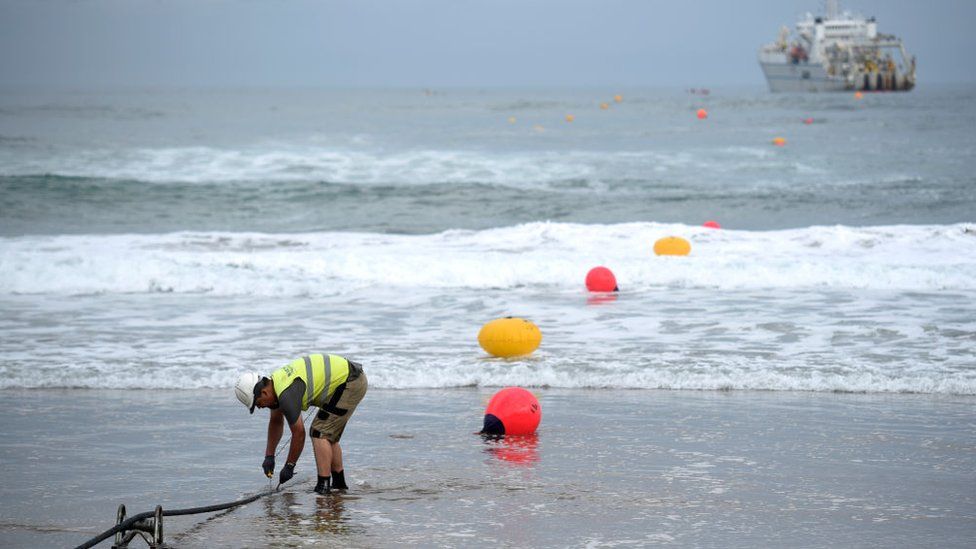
(838, 51)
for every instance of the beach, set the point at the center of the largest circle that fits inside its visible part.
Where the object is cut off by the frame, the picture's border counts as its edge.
(635, 467)
(804, 377)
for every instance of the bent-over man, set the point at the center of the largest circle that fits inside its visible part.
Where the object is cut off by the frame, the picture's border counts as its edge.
(331, 383)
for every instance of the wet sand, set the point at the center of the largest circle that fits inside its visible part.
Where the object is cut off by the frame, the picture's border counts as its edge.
(681, 468)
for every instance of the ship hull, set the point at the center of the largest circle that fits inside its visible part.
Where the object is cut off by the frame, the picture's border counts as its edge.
(801, 77)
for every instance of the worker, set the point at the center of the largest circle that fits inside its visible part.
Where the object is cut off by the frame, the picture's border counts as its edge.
(331, 383)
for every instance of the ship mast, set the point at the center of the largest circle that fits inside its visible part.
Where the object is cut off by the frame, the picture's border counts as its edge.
(833, 8)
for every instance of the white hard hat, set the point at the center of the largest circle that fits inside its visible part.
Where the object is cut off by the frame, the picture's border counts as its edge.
(247, 387)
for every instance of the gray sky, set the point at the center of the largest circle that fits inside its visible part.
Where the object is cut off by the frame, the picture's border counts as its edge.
(431, 43)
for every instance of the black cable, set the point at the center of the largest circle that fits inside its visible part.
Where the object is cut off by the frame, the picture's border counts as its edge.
(127, 524)
(177, 512)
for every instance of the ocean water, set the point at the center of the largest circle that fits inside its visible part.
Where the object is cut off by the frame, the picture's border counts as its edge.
(168, 239)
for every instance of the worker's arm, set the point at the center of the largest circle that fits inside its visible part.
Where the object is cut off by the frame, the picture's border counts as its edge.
(275, 428)
(297, 440)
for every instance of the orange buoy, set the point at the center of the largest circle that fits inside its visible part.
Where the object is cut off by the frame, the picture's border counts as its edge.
(702, 114)
(808, 121)
(601, 279)
(711, 225)
(672, 245)
(604, 106)
(618, 98)
(512, 411)
(508, 337)
(570, 118)
(858, 95)
(779, 141)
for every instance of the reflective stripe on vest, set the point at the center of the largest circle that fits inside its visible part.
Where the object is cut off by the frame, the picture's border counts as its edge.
(328, 379)
(310, 380)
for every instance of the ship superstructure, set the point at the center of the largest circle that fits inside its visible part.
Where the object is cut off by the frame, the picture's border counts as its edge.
(836, 52)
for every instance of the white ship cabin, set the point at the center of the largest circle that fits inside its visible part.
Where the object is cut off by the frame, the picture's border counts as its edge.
(843, 29)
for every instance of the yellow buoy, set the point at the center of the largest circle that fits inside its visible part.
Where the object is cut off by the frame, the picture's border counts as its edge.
(570, 118)
(672, 245)
(511, 119)
(508, 337)
(779, 141)
(618, 98)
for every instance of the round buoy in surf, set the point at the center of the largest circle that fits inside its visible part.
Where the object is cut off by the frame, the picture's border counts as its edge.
(601, 279)
(672, 245)
(702, 114)
(711, 225)
(512, 411)
(508, 337)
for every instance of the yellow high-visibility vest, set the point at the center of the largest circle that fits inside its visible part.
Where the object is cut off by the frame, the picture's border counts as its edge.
(321, 374)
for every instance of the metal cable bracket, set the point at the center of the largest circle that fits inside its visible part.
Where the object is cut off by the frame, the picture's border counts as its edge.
(150, 529)
(149, 525)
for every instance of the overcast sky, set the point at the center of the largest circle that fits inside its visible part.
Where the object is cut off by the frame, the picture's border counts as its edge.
(432, 43)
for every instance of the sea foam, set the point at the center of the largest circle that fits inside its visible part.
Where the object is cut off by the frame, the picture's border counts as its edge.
(922, 258)
(302, 162)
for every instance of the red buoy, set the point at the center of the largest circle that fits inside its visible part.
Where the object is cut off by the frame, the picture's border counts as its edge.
(711, 225)
(512, 411)
(601, 279)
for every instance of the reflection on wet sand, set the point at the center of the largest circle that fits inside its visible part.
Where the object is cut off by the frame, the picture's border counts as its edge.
(286, 514)
(330, 515)
(601, 298)
(515, 449)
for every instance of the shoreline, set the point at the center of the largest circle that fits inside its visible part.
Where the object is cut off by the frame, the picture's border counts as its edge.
(730, 468)
(540, 388)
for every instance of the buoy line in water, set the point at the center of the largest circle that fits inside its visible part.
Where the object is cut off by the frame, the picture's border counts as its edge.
(129, 522)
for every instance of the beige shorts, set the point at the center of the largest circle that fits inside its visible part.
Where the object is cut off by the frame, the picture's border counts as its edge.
(331, 425)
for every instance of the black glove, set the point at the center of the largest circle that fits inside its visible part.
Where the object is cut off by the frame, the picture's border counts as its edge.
(268, 466)
(286, 473)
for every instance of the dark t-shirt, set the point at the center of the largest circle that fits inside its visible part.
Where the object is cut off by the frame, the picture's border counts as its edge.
(290, 401)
